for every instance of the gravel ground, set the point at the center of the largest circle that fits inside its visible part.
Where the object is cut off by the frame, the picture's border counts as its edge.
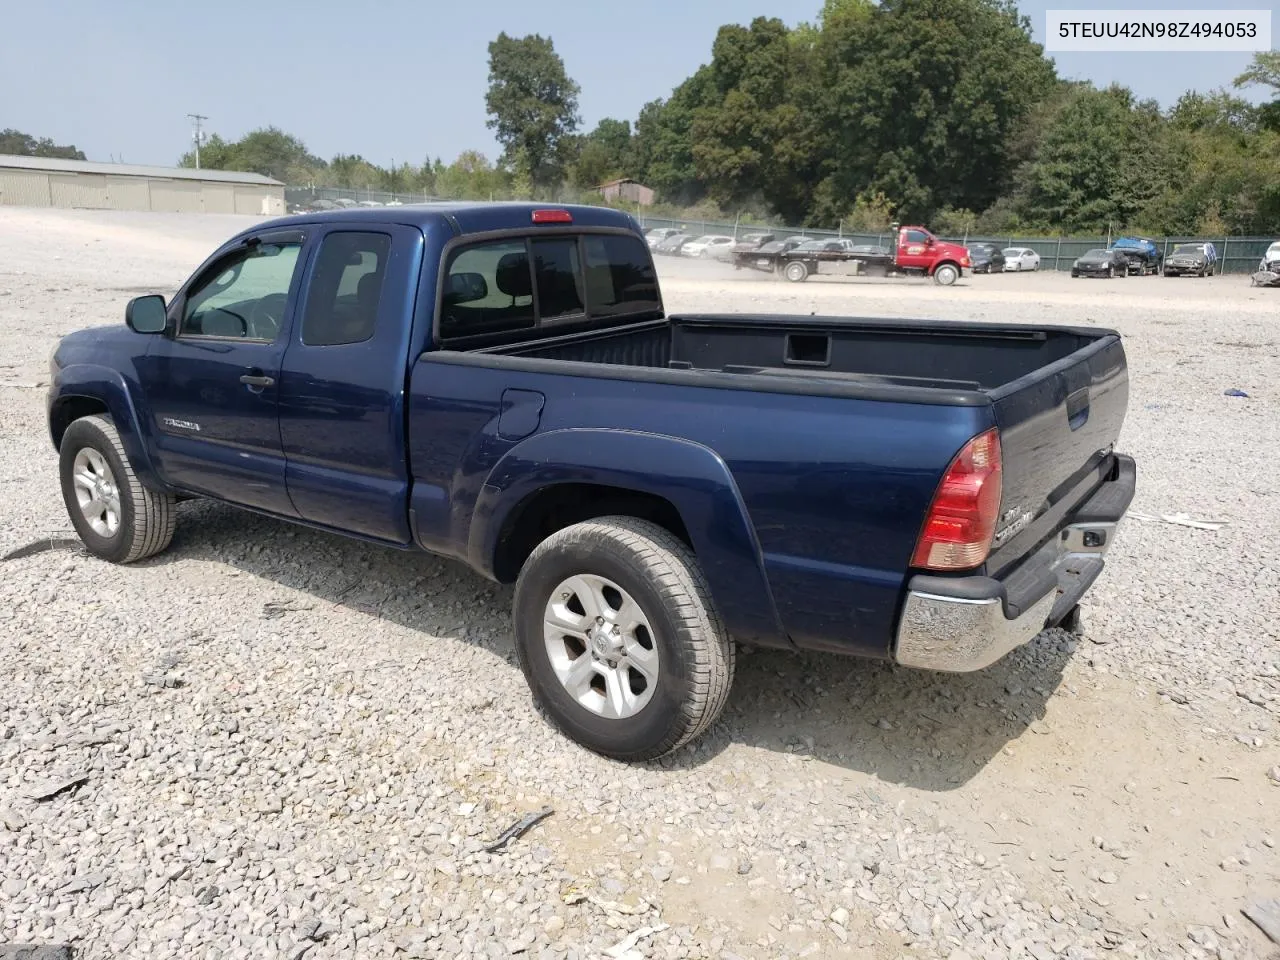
(273, 742)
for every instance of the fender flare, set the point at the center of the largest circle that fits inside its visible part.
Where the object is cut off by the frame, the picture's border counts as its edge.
(94, 382)
(692, 477)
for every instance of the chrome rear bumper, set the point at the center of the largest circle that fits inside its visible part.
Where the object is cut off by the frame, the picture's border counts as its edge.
(968, 623)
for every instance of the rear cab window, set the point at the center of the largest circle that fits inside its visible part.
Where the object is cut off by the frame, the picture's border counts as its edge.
(498, 289)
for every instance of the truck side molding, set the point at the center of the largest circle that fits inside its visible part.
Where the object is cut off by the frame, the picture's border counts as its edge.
(690, 476)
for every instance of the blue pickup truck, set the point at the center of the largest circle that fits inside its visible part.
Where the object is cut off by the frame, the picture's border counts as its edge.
(500, 384)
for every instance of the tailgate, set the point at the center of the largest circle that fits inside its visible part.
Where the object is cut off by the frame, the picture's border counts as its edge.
(1058, 426)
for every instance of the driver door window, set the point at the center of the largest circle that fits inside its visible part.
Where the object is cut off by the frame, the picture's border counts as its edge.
(244, 296)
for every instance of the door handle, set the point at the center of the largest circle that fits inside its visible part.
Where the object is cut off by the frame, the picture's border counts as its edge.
(257, 380)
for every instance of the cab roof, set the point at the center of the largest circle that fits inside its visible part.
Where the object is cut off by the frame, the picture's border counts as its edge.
(465, 216)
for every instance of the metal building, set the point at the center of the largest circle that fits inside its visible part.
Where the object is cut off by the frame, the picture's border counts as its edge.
(47, 182)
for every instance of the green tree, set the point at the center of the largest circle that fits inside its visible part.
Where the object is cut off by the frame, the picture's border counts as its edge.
(352, 171)
(1217, 110)
(603, 154)
(1102, 160)
(752, 135)
(663, 148)
(268, 151)
(1265, 71)
(17, 143)
(532, 105)
(922, 97)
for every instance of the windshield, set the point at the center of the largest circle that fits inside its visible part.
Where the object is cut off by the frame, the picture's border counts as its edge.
(1096, 255)
(1188, 249)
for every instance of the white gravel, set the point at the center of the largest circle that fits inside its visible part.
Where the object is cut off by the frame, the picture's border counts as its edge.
(273, 742)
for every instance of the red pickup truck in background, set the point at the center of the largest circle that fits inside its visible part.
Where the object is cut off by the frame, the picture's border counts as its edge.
(916, 251)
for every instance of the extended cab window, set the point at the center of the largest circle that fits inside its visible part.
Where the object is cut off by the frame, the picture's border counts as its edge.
(488, 289)
(244, 295)
(342, 301)
(506, 285)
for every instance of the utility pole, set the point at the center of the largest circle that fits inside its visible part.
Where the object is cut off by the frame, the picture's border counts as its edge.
(198, 134)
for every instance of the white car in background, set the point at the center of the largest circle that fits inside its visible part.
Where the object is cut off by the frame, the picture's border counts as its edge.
(1017, 259)
(706, 246)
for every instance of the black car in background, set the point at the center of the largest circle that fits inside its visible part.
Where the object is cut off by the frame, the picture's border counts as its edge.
(1101, 263)
(670, 246)
(986, 258)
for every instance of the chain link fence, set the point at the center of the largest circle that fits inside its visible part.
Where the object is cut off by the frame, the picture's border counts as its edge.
(1235, 254)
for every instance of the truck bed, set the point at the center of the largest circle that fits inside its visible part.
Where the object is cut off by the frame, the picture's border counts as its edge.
(1058, 394)
(908, 353)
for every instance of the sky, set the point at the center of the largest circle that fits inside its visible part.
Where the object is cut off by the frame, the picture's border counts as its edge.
(404, 80)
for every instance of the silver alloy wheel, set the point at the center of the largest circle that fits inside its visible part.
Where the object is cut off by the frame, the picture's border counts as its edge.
(96, 492)
(601, 646)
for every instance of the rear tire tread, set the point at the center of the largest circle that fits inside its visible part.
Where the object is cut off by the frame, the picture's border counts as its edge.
(674, 573)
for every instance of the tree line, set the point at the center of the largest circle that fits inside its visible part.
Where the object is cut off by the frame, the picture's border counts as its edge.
(943, 112)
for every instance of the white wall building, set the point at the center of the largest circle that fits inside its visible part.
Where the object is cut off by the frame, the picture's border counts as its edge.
(78, 184)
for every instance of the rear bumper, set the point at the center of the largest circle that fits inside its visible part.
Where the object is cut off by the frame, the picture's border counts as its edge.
(960, 624)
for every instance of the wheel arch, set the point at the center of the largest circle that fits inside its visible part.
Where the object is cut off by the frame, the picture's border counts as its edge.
(530, 494)
(81, 390)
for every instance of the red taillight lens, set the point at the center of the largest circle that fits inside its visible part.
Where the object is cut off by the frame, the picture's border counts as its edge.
(962, 518)
(552, 216)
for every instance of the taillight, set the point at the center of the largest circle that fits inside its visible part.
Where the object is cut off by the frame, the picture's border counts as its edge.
(962, 518)
(552, 216)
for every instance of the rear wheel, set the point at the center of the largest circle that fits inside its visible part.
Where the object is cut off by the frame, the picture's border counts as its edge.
(117, 518)
(619, 640)
(796, 271)
(946, 275)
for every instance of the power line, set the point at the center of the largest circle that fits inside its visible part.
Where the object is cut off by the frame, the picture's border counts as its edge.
(198, 134)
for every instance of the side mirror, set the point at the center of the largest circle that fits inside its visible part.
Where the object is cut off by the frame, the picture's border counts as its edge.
(146, 314)
(928, 241)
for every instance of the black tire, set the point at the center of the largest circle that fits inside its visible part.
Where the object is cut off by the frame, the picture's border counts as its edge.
(946, 275)
(146, 518)
(796, 271)
(696, 656)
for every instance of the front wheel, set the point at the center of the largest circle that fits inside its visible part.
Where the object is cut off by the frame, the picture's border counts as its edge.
(117, 518)
(796, 271)
(619, 640)
(946, 275)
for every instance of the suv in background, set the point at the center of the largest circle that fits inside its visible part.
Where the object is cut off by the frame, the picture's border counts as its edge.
(1143, 254)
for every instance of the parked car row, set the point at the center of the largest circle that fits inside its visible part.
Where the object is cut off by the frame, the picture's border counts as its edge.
(323, 204)
(1139, 256)
(799, 257)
